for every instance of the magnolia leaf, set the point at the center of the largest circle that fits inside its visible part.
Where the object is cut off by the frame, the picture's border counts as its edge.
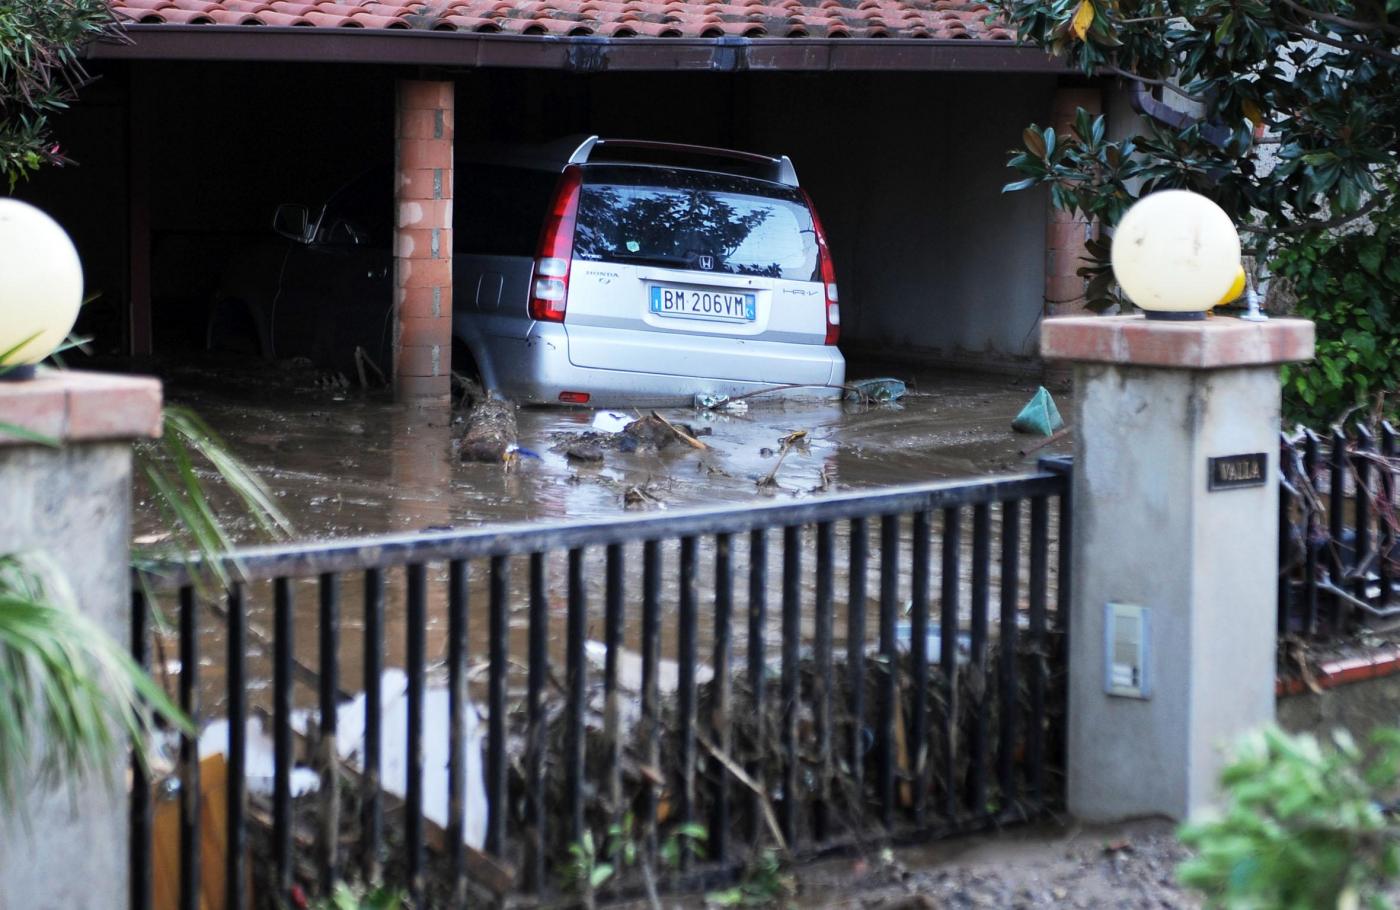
(1034, 141)
(1083, 18)
(1252, 112)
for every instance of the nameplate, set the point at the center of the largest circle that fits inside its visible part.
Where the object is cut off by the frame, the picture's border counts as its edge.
(1230, 472)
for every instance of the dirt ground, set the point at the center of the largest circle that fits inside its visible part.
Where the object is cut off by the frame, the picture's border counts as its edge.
(1122, 866)
(1130, 866)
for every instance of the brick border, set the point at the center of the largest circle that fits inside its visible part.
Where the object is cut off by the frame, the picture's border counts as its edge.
(1337, 673)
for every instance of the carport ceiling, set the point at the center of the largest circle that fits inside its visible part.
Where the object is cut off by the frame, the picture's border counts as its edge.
(585, 35)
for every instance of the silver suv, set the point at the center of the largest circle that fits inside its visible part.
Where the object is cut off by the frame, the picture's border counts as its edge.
(610, 273)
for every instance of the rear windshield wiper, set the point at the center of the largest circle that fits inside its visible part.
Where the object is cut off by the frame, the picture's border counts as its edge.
(654, 259)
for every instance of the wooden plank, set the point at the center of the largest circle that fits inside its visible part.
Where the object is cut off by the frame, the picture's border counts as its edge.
(213, 826)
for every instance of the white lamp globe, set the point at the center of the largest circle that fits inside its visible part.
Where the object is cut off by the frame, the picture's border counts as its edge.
(41, 284)
(1175, 254)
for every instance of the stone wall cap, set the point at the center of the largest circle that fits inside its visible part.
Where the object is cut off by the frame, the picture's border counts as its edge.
(1218, 342)
(75, 406)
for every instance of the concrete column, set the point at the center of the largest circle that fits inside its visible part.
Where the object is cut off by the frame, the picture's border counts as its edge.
(423, 241)
(1066, 233)
(72, 504)
(1171, 515)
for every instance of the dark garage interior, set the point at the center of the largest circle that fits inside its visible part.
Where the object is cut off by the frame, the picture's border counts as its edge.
(935, 263)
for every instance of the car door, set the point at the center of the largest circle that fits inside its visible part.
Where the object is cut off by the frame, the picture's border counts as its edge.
(336, 290)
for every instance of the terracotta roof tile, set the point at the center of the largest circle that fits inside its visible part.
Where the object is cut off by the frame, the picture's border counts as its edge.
(964, 19)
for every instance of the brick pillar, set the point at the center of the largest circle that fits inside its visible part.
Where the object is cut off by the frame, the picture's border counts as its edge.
(423, 241)
(1065, 233)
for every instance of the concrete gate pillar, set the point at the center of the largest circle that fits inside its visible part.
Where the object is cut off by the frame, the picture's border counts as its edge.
(423, 241)
(1175, 552)
(72, 506)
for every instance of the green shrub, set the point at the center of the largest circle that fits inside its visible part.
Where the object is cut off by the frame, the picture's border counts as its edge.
(1350, 287)
(1304, 827)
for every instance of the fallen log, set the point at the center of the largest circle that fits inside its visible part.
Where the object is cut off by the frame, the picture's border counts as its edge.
(491, 432)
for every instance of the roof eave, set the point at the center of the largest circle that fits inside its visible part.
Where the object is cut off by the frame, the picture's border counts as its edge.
(578, 54)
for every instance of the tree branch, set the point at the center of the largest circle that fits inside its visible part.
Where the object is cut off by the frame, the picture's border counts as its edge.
(1342, 45)
(1355, 25)
(1170, 86)
(1305, 226)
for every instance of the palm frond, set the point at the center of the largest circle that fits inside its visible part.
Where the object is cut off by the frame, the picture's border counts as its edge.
(183, 496)
(71, 697)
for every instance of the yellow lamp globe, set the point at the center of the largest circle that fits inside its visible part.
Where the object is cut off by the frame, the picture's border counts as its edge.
(1175, 254)
(41, 287)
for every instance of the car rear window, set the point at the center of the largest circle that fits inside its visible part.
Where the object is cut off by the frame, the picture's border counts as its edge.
(695, 220)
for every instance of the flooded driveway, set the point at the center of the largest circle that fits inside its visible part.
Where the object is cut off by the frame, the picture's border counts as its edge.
(347, 464)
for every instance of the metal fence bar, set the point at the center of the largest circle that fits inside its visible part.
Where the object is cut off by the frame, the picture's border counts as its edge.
(948, 655)
(855, 657)
(1036, 630)
(1390, 514)
(792, 634)
(721, 727)
(758, 618)
(139, 827)
(415, 668)
(535, 878)
(889, 678)
(687, 629)
(1311, 529)
(372, 816)
(235, 892)
(189, 755)
(977, 662)
(282, 656)
(823, 619)
(496, 705)
(1336, 522)
(918, 664)
(1008, 701)
(456, 732)
(329, 627)
(577, 679)
(1287, 478)
(651, 695)
(612, 650)
(1361, 470)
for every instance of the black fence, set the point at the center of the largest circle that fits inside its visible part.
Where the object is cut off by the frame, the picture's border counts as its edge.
(1339, 523)
(886, 676)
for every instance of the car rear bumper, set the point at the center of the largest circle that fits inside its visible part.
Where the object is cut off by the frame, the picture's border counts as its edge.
(536, 369)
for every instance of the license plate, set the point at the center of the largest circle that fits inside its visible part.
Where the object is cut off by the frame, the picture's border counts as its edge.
(716, 306)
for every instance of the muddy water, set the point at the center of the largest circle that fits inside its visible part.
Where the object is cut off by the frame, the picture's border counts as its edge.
(345, 465)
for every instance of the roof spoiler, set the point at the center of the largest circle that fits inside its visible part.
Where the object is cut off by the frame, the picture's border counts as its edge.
(595, 149)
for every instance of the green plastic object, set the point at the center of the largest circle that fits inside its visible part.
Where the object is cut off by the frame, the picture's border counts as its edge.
(1039, 416)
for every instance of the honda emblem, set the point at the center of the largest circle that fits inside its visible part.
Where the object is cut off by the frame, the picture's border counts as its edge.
(707, 262)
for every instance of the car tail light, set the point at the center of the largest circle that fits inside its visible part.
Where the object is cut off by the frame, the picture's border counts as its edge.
(827, 269)
(550, 293)
(574, 397)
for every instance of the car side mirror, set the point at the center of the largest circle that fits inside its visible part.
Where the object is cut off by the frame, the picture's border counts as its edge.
(291, 222)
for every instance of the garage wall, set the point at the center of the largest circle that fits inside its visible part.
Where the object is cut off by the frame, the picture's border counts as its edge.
(907, 171)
